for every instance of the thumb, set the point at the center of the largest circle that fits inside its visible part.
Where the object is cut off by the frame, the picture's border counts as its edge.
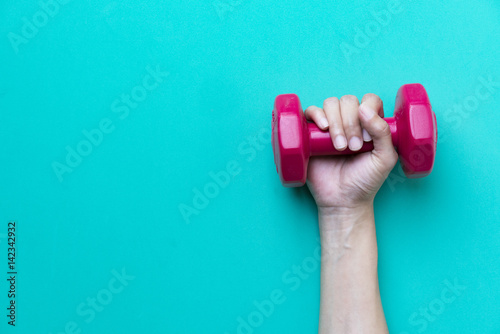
(379, 130)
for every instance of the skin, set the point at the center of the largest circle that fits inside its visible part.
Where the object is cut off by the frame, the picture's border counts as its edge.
(344, 188)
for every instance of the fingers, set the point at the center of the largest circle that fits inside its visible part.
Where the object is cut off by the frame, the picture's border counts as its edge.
(317, 115)
(380, 131)
(373, 102)
(349, 106)
(332, 109)
(346, 124)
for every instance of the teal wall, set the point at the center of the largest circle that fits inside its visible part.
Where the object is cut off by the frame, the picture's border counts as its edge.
(173, 92)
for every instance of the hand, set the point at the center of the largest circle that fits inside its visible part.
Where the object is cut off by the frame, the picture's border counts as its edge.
(350, 181)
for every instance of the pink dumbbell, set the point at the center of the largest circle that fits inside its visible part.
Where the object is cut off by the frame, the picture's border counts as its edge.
(413, 130)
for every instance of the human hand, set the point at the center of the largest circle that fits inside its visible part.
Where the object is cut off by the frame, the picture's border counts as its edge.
(350, 182)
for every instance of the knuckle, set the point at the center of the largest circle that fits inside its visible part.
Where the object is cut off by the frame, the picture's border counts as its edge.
(371, 96)
(312, 110)
(353, 133)
(383, 128)
(331, 101)
(318, 113)
(349, 99)
(335, 129)
(352, 127)
(334, 124)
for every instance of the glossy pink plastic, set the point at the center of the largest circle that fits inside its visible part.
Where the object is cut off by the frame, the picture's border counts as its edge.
(413, 130)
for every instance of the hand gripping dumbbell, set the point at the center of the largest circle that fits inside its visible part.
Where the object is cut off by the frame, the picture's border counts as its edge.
(413, 130)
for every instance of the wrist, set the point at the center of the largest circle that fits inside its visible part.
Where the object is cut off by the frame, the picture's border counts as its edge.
(339, 220)
(346, 213)
(347, 233)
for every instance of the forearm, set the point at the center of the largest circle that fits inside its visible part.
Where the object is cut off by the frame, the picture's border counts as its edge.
(350, 297)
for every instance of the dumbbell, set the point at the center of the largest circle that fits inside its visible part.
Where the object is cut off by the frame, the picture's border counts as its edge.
(413, 131)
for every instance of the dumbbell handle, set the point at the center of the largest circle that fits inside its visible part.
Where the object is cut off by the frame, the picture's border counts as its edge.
(320, 141)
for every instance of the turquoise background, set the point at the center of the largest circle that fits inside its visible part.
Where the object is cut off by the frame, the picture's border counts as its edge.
(120, 208)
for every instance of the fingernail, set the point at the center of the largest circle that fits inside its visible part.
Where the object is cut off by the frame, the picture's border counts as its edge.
(323, 123)
(366, 136)
(340, 142)
(355, 144)
(368, 113)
